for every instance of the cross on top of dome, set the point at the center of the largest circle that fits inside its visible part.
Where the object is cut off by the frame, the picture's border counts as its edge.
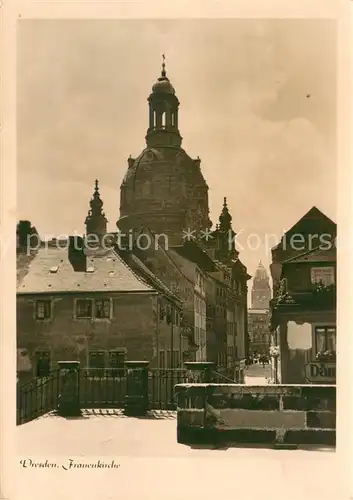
(163, 85)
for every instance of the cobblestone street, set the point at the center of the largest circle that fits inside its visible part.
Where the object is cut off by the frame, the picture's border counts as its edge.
(154, 465)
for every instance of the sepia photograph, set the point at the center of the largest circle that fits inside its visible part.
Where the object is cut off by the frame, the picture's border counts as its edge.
(176, 260)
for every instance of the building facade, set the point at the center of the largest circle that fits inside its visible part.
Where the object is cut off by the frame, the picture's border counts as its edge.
(303, 310)
(259, 331)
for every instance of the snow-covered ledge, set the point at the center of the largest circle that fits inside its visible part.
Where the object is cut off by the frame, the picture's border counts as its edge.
(275, 414)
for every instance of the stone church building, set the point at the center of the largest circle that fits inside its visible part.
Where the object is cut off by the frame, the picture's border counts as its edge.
(164, 264)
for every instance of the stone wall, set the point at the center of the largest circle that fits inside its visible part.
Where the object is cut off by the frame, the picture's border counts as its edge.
(274, 414)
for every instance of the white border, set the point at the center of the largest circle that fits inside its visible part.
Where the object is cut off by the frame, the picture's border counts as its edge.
(10, 11)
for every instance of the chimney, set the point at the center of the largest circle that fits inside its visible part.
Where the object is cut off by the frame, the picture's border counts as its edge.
(77, 257)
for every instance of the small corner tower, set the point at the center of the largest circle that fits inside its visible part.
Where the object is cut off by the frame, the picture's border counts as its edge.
(224, 236)
(96, 222)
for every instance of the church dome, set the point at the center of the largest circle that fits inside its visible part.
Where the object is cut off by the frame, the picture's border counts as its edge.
(163, 86)
(163, 188)
(163, 183)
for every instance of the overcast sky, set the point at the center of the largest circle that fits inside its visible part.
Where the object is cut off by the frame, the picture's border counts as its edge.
(258, 105)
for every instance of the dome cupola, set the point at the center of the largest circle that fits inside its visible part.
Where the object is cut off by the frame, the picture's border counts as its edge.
(163, 114)
(163, 85)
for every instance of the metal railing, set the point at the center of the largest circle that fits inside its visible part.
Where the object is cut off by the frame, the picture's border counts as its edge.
(107, 388)
(102, 388)
(161, 387)
(37, 397)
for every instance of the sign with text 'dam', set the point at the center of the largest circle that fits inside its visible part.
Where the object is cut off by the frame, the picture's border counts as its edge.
(321, 372)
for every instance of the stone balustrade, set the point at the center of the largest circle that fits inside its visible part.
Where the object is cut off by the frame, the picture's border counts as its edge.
(282, 415)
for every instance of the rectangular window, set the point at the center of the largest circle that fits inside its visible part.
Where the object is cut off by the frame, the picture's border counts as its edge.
(325, 338)
(323, 275)
(103, 308)
(84, 308)
(116, 362)
(43, 309)
(96, 361)
(43, 362)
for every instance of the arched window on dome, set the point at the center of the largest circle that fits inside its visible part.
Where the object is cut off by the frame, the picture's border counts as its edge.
(164, 122)
(154, 119)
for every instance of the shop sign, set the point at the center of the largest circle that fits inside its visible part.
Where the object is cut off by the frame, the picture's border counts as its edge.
(320, 372)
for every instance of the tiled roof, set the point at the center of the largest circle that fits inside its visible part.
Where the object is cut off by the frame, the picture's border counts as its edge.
(313, 216)
(148, 275)
(315, 255)
(50, 271)
(191, 251)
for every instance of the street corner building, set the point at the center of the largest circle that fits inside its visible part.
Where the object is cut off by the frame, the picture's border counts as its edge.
(167, 289)
(303, 310)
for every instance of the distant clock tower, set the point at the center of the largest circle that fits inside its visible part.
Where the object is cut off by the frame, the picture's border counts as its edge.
(261, 290)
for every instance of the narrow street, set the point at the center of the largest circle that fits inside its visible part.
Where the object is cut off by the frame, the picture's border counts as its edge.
(256, 374)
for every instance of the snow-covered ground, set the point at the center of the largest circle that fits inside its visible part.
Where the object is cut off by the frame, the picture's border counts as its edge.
(152, 465)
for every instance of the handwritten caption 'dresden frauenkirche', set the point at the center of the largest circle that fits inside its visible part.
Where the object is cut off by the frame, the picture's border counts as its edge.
(69, 464)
